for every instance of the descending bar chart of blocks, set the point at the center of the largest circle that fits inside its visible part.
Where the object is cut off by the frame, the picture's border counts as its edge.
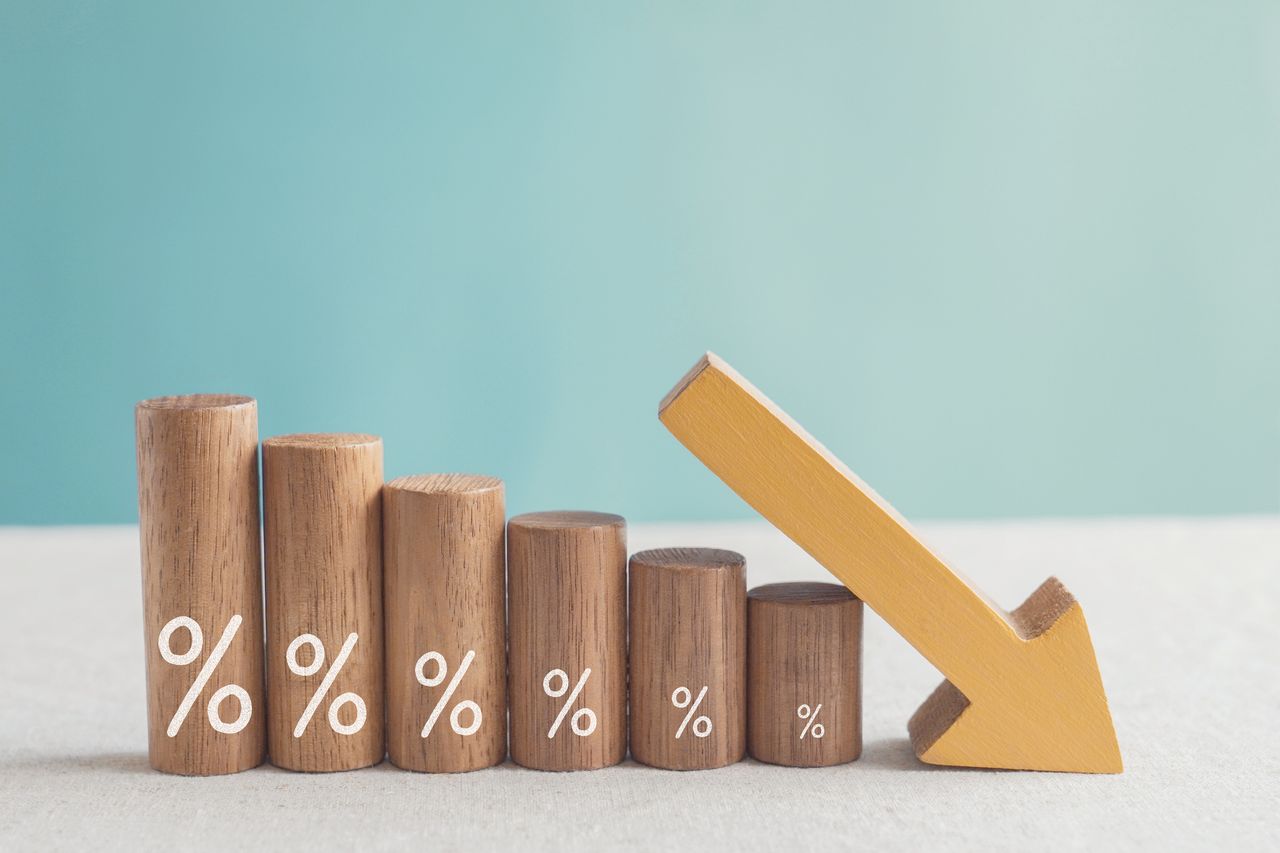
(412, 621)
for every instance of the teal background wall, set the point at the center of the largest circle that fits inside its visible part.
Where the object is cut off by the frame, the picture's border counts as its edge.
(1004, 258)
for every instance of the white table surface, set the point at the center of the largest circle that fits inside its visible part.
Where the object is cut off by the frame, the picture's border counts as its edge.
(1183, 615)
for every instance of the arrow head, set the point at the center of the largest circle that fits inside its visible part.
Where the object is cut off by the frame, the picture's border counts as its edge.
(1046, 710)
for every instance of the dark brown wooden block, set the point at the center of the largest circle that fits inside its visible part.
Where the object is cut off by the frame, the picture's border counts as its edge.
(804, 679)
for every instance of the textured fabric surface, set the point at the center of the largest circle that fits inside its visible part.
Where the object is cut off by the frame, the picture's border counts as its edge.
(1183, 617)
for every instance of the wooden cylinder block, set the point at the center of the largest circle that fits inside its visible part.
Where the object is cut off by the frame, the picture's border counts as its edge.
(568, 654)
(444, 539)
(201, 587)
(322, 506)
(804, 680)
(688, 658)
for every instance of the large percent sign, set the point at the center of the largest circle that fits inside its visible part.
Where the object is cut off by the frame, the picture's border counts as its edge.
(442, 669)
(206, 672)
(810, 716)
(581, 730)
(317, 661)
(682, 698)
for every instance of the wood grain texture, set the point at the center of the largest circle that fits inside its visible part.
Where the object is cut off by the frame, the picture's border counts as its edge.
(1024, 690)
(444, 539)
(198, 521)
(567, 607)
(688, 620)
(804, 659)
(322, 507)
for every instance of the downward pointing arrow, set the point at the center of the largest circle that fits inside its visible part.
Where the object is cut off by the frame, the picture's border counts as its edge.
(1022, 690)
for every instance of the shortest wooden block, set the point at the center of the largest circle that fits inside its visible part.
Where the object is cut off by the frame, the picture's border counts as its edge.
(804, 674)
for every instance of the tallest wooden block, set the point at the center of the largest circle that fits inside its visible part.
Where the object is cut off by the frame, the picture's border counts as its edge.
(1023, 689)
(201, 587)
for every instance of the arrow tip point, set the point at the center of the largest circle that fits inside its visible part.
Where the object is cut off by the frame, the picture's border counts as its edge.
(1049, 712)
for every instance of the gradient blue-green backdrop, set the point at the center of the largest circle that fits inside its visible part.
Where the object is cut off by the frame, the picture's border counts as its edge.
(1004, 258)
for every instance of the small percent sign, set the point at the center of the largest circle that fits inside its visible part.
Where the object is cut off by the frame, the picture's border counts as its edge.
(581, 730)
(331, 675)
(1022, 689)
(810, 717)
(206, 672)
(682, 698)
(442, 669)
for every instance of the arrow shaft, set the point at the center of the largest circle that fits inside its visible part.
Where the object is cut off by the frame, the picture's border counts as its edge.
(808, 494)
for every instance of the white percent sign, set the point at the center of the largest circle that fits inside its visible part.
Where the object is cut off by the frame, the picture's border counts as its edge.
(682, 697)
(317, 661)
(206, 672)
(436, 680)
(810, 715)
(556, 692)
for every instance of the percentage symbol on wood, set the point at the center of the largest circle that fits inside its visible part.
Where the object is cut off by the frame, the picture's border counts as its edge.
(206, 672)
(581, 730)
(682, 698)
(442, 669)
(811, 726)
(317, 661)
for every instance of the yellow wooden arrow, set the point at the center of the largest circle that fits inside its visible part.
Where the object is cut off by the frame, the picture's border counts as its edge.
(1022, 690)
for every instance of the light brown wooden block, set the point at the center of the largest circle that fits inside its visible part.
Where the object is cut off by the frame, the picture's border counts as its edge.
(567, 607)
(201, 570)
(688, 621)
(444, 538)
(1023, 689)
(322, 506)
(804, 682)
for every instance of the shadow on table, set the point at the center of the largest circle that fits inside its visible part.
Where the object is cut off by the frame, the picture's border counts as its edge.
(896, 753)
(883, 754)
(129, 763)
(892, 753)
